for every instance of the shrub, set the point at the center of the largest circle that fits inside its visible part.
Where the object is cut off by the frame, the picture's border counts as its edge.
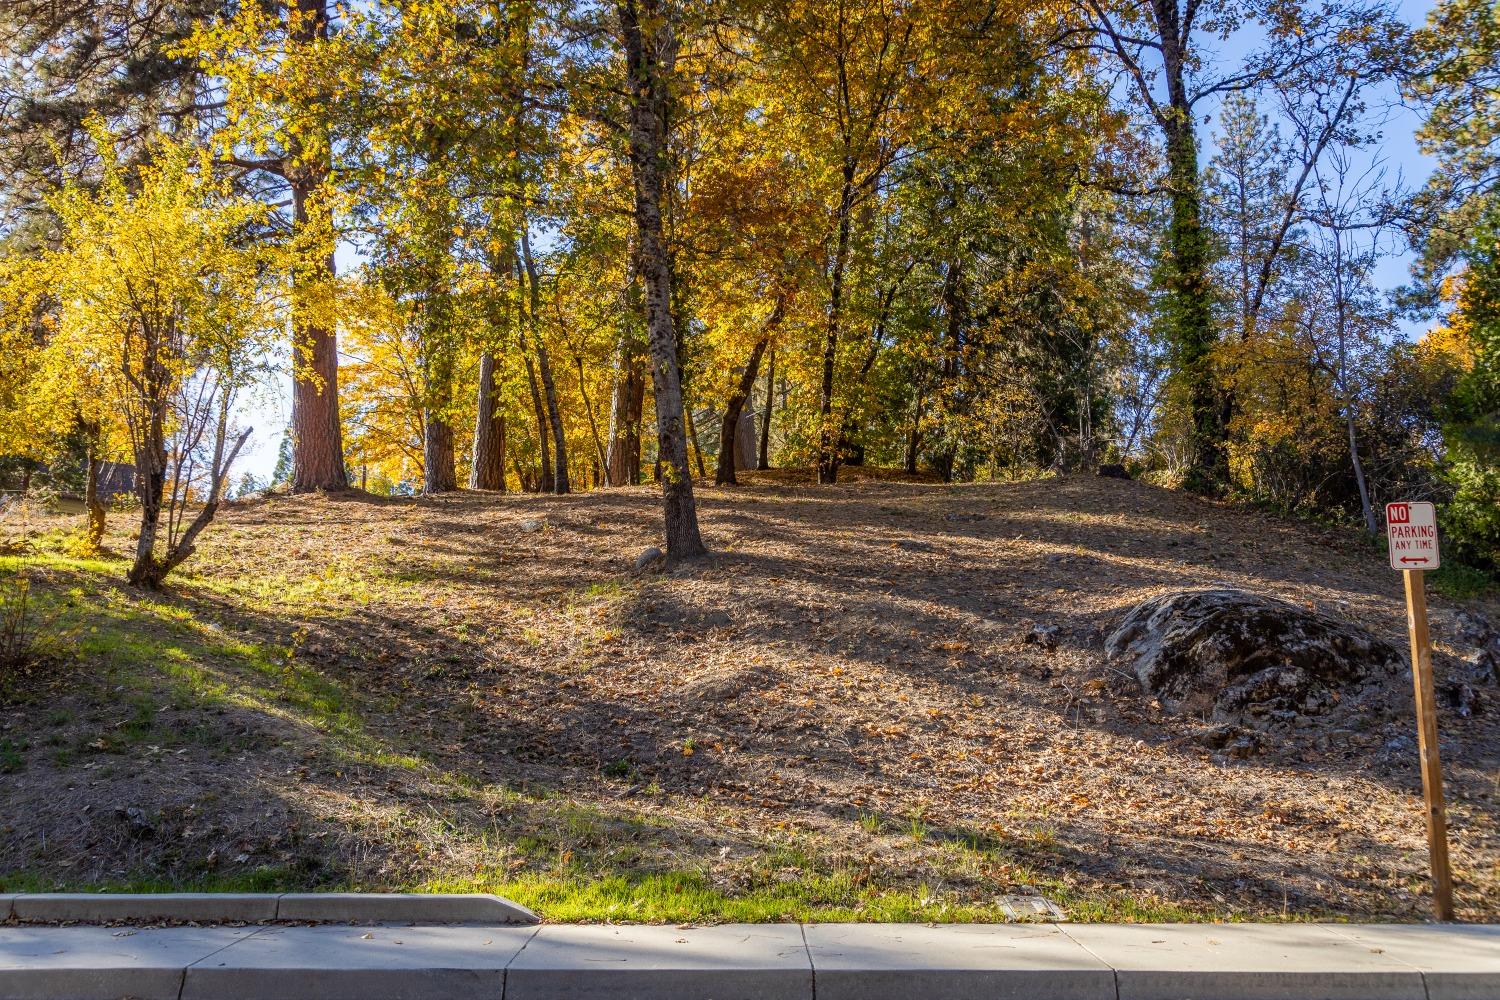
(1471, 520)
(20, 630)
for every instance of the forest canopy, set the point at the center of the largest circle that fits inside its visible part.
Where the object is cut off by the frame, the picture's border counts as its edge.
(558, 246)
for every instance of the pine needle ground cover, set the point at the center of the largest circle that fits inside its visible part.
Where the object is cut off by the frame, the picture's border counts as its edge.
(838, 717)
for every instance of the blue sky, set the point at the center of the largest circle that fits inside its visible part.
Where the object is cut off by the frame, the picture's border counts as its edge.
(268, 410)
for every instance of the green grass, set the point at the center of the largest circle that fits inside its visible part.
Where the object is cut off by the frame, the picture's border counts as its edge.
(664, 897)
(1460, 582)
(11, 760)
(156, 650)
(681, 897)
(259, 880)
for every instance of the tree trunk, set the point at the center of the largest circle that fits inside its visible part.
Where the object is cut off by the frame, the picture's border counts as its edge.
(186, 545)
(622, 460)
(439, 472)
(1191, 313)
(692, 426)
(91, 499)
(487, 465)
(828, 434)
(544, 482)
(317, 438)
(439, 463)
(1189, 299)
(950, 391)
(588, 411)
(729, 428)
(560, 482)
(648, 60)
(914, 436)
(1366, 508)
(151, 483)
(765, 421)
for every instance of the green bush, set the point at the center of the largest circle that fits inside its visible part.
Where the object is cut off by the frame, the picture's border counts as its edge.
(1460, 582)
(1471, 520)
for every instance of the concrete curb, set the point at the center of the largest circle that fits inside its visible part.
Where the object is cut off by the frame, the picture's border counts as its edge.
(399, 907)
(732, 962)
(954, 961)
(754, 962)
(254, 908)
(352, 963)
(1247, 962)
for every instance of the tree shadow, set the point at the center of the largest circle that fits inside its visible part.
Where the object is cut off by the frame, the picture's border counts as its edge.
(526, 697)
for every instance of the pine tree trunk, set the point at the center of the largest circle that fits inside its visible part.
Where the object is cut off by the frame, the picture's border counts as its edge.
(648, 149)
(317, 437)
(1192, 314)
(487, 464)
(439, 470)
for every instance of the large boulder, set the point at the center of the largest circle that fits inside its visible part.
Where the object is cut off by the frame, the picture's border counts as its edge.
(1233, 655)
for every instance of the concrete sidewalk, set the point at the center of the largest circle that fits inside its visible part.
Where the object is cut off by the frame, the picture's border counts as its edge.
(754, 962)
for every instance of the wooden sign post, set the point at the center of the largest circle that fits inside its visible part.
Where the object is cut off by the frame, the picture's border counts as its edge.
(1411, 534)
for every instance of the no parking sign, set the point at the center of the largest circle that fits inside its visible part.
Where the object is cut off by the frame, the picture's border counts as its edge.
(1411, 535)
(1412, 538)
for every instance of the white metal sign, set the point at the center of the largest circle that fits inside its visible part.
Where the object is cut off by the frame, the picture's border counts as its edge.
(1411, 534)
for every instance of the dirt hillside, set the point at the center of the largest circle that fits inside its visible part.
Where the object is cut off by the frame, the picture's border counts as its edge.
(838, 716)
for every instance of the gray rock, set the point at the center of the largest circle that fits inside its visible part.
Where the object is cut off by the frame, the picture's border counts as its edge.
(531, 526)
(136, 821)
(648, 556)
(1236, 655)
(1461, 698)
(1045, 636)
(1484, 662)
(1474, 628)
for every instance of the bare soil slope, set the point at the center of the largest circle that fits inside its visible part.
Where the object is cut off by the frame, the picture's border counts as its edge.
(838, 716)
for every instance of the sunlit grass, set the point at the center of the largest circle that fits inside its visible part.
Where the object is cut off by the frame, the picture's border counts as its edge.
(152, 646)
